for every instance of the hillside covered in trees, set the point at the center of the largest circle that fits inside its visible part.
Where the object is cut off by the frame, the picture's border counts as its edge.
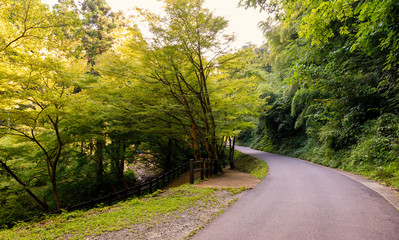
(86, 97)
(331, 87)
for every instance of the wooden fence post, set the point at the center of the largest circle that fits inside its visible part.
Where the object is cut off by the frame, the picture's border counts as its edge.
(157, 183)
(211, 167)
(150, 186)
(191, 171)
(204, 167)
(139, 190)
(161, 180)
(208, 168)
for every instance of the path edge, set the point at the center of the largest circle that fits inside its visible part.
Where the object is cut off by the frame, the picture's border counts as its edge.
(388, 193)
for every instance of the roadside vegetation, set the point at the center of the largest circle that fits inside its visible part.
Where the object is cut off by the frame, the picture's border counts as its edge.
(331, 90)
(256, 167)
(88, 103)
(89, 106)
(162, 213)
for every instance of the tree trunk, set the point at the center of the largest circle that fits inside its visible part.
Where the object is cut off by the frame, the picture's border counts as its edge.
(232, 142)
(168, 160)
(121, 157)
(99, 159)
(42, 204)
(53, 164)
(194, 137)
(55, 192)
(221, 150)
(116, 151)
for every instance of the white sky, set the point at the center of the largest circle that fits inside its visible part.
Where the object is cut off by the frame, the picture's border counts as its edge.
(242, 22)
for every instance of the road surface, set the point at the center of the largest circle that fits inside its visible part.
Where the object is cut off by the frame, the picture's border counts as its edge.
(300, 200)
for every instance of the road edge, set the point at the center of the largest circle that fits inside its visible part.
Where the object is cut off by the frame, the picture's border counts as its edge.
(388, 193)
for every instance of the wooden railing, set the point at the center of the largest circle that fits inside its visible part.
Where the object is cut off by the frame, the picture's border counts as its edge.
(136, 191)
(206, 167)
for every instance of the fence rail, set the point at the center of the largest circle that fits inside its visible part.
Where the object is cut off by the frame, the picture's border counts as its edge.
(206, 167)
(136, 191)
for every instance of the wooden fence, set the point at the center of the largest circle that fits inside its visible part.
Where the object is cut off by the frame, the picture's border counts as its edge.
(136, 191)
(206, 167)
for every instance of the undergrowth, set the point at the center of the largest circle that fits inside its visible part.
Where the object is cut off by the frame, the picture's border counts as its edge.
(78, 224)
(256, 167)
(374, 157)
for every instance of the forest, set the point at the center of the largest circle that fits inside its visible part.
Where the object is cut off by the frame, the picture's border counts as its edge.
(86, 97)
(331, 84)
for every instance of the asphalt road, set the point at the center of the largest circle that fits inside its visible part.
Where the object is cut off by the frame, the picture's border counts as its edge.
(299, 200)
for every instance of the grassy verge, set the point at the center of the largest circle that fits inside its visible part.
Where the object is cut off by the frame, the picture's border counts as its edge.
(256, 167)
(183, 203)
(125, 215)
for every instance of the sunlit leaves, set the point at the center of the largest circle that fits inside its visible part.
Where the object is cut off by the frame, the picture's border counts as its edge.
(37, 78)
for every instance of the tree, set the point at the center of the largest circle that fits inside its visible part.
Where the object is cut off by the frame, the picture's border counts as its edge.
(36, 81)
(337, 64)
(234, 90)
(138, 102)
(97, 25)
(181, 57)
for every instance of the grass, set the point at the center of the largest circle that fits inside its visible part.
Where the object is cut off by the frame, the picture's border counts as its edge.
(256, 167)
(78, 224)
(125, 215)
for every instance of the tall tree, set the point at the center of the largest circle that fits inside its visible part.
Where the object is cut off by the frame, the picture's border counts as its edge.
(98, 23)
(338, 64)
(234, 90)
(37, 76)
(182, 56)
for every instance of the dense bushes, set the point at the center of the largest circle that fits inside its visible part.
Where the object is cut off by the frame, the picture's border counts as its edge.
(336, 101)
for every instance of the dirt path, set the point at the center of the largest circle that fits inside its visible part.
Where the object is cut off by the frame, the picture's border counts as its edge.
(229, 179)
(181, 224)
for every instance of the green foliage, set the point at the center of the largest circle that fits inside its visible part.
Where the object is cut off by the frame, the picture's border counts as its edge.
(256, 167)
(336, 62)
(379, 145)
(244, 138)
(83, 93)
(97, 25)
(79, 224)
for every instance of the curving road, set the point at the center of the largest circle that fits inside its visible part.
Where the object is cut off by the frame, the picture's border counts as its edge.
(299, 200)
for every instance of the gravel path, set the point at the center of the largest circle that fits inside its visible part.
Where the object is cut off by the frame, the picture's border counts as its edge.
(179, 224)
